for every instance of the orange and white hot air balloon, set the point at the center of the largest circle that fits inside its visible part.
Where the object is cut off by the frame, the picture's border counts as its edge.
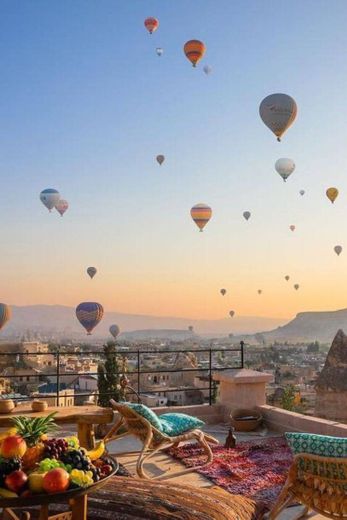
(194, 50)
(201, 214)
(151, 24)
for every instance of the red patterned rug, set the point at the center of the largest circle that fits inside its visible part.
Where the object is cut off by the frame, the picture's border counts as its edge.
(255, 469)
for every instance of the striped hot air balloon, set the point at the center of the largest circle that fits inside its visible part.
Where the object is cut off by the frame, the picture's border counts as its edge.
(5, 314)
(151, 24)
(194, 50)
(89, 314)
(201, 214)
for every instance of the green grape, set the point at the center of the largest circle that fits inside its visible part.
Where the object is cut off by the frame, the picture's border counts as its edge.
(48, 464)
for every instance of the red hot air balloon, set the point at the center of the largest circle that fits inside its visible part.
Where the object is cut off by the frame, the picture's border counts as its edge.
(151, 24)
(194, 51)
(89, 314)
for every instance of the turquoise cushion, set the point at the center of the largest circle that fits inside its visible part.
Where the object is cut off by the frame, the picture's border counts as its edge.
(317, 444)
(173, 424)
(147, 413)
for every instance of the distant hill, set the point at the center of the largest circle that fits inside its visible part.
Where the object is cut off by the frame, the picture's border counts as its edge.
(59, 321)
(311, 326)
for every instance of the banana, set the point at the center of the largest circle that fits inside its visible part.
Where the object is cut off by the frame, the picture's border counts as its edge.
(5, 493)
(97, 452)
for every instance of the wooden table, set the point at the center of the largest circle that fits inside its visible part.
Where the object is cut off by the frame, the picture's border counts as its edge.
(84, 416)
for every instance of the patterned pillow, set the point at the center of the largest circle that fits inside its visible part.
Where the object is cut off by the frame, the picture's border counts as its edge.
(173, 424)
(147, 413)
(317, 444)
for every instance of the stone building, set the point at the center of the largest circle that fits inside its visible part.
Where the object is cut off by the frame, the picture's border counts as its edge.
(331, 386)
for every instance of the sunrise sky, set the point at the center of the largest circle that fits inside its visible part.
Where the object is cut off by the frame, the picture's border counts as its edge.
(86, 105)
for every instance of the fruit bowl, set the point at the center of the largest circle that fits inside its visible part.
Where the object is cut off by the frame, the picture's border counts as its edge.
(37, 469)
(50, 498)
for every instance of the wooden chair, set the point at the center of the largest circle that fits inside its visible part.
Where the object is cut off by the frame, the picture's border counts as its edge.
(154, 440)
(319, 483)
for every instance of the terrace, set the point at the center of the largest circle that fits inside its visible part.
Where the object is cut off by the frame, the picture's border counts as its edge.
(227, 389)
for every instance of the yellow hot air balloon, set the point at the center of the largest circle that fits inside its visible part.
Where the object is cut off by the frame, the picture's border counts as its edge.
(194, 50)
(332, 194)
(201, 214)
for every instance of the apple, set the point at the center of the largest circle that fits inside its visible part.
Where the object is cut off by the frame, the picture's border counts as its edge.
(56, 480)
(13, 446)
(36, 482)
(16, 480)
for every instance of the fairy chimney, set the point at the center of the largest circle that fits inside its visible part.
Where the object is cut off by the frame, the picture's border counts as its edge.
(331, 386)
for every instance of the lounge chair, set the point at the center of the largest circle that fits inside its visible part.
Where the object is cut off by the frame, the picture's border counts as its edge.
(318, 482)
(153, 437)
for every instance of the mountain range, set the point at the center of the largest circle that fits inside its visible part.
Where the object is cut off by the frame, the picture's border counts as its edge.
(60, 321)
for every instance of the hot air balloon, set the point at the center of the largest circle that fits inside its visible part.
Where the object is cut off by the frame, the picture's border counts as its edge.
(278, 112)
(89, 314)
(50, 198)
(231, 313)
(190, 328)
(201, 214)
(223, 292)
(207, 69)
(287, 277)
(246, 215)
(92, 271)
(159, 51)
(151, 24)
(332, 194)
(285, 167)
(5, 314)
(61, 206)
(259, 291)
(292, 227)
(114, 330)
(302, 192)
(160, 159)
(296, 286)
(194, 50)
(338, 250)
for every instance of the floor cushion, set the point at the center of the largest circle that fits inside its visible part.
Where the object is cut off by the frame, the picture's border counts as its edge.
(314, 444)
(173, 424)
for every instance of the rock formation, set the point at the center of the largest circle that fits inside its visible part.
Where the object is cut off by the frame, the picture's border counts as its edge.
(331, 386)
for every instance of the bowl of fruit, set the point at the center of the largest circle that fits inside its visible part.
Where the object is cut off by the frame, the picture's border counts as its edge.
(36, 468)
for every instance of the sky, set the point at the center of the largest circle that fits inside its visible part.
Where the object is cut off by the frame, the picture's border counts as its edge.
(85, 107)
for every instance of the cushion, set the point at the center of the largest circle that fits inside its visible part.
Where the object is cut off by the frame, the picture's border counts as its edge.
(323, 445)
(147, 413)
(173, 424)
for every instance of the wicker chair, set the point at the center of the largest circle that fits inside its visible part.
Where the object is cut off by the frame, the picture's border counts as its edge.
(154, 440)
(319, 483)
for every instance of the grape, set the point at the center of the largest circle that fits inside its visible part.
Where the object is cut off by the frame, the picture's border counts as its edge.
(54, 448)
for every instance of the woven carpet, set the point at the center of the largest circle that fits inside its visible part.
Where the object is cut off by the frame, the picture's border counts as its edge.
(254, 469)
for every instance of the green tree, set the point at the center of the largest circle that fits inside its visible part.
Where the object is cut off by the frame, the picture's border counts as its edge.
(288, 398)
(108, 376)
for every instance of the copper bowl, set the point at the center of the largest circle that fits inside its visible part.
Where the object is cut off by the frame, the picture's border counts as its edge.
(245, 419)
